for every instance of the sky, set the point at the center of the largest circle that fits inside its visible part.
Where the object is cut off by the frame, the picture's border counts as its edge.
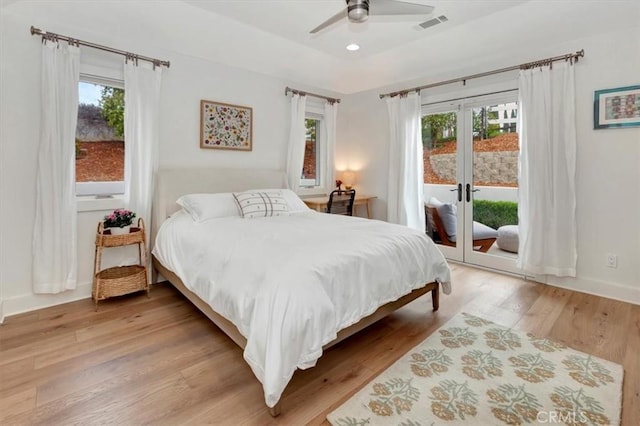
(89, 93)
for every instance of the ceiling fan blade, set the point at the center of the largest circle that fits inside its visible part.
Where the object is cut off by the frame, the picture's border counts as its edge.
(335, 18)
(392, 7)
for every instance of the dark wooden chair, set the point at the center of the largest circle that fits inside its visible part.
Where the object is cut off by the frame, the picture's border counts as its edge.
(435, 228)
(341, 202)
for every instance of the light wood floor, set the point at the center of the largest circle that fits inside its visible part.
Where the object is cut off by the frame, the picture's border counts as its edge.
(159, 361)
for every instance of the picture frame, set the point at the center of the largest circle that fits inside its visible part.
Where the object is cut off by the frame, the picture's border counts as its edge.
(615, 108)
(226, 126)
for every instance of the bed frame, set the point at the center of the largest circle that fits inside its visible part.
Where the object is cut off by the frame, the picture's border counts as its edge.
(172, 183)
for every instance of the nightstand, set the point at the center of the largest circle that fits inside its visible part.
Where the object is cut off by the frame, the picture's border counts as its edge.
(119, 280)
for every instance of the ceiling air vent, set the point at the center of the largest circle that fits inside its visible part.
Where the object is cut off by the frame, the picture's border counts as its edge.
(434, 21)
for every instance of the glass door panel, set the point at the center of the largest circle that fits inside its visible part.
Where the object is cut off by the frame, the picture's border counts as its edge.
(443, 194)
(491, 184)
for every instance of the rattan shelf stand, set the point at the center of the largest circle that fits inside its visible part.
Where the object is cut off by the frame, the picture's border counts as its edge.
(119, 280)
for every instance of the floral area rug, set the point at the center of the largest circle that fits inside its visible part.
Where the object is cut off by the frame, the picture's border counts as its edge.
(472, 371)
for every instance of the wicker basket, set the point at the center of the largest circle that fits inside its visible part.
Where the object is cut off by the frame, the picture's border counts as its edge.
(135, 235)
(120, 280)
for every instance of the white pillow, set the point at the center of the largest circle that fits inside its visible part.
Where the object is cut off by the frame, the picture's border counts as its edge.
(448, 216)
(433, 201)
(202, 207)
(254, 204)
(294, 203)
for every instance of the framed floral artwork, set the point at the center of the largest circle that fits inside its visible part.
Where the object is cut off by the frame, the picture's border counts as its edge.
(225, 126)
(619, 107)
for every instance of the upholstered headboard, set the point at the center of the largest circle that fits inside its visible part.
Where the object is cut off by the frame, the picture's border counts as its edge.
(171, 184)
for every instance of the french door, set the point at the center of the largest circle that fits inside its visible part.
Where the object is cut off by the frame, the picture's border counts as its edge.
(471, 177)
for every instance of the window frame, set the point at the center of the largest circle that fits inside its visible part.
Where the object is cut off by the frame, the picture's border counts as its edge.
(314, 187)
(313, 183)
(86, 191)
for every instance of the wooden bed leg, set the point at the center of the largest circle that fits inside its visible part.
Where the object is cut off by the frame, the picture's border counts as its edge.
(435, 297)
(275, 410)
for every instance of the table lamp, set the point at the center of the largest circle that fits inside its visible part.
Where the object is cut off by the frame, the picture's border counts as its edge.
(349, 179)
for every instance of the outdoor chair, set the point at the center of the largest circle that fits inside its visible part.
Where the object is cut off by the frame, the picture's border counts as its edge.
(483, 235)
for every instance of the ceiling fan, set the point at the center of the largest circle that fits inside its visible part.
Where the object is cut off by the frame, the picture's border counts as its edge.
(359, 11)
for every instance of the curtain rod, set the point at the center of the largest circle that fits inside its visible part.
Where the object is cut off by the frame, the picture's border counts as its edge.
(54, 36)
(300, 92)
(548, 61)
(469, 97)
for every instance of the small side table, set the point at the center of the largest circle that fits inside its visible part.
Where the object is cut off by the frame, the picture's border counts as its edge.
(119, 280)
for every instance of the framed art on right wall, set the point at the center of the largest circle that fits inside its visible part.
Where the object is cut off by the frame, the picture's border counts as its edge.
(619, 107)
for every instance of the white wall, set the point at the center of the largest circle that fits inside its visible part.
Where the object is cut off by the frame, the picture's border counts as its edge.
(608, 173)
(608, 161)
(184, 84)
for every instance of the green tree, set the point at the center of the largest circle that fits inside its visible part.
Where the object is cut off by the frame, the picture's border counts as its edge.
(479, 122)
(493, 130)
(311, 125)
(434, 126)
(482, 129)
(112, 104)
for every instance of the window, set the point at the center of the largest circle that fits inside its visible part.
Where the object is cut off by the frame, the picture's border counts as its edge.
(313, 167)
(310, 176)
(100, 137)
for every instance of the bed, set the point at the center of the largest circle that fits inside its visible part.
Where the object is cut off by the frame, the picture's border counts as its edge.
(286, 288)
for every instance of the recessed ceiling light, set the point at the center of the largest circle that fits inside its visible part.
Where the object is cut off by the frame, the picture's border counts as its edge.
(352, 47)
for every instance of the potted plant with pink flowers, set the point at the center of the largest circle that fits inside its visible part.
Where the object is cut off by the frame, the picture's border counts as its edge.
(119, 221)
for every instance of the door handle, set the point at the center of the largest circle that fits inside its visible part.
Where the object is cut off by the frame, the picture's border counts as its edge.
(459, 189)
(469, 191)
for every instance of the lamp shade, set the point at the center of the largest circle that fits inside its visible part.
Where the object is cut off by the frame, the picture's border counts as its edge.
(349, 178)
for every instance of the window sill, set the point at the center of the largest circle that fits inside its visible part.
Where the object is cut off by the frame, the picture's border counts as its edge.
(311, 192)
(93, 203)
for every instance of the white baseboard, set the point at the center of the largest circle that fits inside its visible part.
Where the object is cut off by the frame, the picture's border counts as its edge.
(609, 290)
(30, 302)
(614, 291)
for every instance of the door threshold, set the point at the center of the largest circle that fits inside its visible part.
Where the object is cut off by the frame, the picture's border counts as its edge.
(537, 279)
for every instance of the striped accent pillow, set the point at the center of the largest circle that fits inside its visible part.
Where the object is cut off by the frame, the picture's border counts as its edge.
(261, 204)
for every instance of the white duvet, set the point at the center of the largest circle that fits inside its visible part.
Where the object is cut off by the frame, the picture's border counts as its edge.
(289, 284)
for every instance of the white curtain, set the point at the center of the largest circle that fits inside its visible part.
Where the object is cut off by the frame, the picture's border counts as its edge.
(55, 261)
(547, 200)
(297, 137)
(141, 133)
(329, 144)
(405, 204)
